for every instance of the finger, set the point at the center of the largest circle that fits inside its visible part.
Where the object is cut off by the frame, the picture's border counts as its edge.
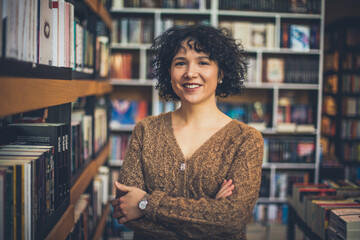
(224, 191)
(122, 187)
(123, 220)
(224, 182)
(117, 215)
(115, 203)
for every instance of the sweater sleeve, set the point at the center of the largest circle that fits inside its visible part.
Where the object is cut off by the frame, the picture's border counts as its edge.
(201, 218)
(131, 174)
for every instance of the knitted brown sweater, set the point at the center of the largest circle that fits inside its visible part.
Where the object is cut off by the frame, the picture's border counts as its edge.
(182, 191)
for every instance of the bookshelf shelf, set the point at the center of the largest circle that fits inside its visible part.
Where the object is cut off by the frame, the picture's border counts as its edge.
(63, 226)
(25, 94)
(102, 222)
(122, 127)
(115, 162)
(83, 181)
(268, 14)
(161, 11)
(289, 165)
(282, 51)
(271, 200)
(299, 86)
(128, 82)
(130, 46)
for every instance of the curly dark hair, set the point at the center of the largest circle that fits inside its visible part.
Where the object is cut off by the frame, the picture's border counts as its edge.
(216, 42)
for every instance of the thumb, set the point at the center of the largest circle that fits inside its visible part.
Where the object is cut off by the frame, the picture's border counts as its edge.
(122, 187)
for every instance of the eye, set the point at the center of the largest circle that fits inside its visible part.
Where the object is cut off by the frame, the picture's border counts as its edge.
(179, 63)
(204, 63)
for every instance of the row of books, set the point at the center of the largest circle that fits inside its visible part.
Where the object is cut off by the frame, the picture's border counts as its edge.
(350, 151)
(351, 106)
(350, 83)
(290, 70)
(251, 34)
(270, 213)
(121, 65)
(118, 146)
(82, 144)
(297, 113)
(303, 6)
(189, 4)
(128, 112)
(349, 37)
(132, 30)
(313, 202)
(350, 129)
(167, 23)
(257, 112)
(344, 224)
(281, 149)
(282, 184)
(351, 61)
(89, 208)
(300, 37)
(39, 32)
(37, 163)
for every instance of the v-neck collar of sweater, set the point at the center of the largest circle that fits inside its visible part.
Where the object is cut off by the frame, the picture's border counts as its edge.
(170, 129)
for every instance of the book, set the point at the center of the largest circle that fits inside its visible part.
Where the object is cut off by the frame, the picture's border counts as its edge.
(349, 226)
(128, 112)
(45, 33)
(275, 70)
(299, 37)
(55, 37)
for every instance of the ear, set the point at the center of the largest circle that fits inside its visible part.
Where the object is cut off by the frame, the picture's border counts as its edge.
(220, 75)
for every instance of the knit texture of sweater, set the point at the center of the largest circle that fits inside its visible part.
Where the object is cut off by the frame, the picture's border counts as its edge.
(181, 200)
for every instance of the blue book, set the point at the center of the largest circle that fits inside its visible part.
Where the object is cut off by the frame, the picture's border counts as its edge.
(299, 37)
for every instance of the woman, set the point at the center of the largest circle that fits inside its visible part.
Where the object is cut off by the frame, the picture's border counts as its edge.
(193, 173)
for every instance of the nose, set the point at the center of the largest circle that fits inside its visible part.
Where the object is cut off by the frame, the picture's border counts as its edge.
(191, 71)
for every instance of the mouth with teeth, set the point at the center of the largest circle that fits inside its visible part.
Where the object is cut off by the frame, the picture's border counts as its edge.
(191, 86)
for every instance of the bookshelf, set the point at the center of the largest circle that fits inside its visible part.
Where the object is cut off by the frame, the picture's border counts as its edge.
(340, 119)
(293, 88)
(28, 85)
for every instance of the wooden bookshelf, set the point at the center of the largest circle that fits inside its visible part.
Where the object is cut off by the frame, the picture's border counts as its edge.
(64, 225)
(25, 94)
(101, 11)
(83, 181)
(102, 222)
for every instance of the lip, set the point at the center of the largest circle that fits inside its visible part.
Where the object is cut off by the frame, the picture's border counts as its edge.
(191, 89)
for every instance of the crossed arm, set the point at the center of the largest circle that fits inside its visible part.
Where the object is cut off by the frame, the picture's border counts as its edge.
(126, 207)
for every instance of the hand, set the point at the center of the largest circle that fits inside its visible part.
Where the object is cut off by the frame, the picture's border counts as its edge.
(225, 190)
(126, 208)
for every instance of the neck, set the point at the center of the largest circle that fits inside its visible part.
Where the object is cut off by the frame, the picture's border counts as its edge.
(198, 115)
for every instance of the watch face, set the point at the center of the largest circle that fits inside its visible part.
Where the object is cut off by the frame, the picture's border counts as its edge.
(142, 205)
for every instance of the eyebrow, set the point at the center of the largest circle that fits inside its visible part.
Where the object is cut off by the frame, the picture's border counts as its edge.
(200, 58)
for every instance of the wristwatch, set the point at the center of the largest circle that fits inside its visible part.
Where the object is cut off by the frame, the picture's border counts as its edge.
(143, 202)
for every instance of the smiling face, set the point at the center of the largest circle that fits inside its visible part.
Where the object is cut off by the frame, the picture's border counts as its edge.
(194, 77)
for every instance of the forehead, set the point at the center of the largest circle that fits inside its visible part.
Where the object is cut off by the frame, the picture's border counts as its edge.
(188, 47)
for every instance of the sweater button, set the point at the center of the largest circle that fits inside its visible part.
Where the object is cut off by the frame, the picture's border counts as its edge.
(182, 167)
